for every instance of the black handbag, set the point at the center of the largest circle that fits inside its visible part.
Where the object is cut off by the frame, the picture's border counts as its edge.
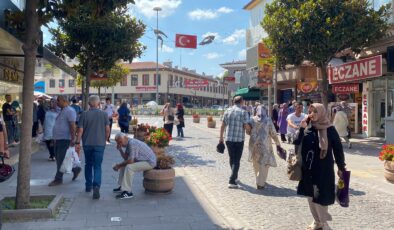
(220, 147)
(6, 170)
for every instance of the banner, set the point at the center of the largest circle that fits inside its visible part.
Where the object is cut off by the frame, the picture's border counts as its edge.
(39, 86)
(98, 76)
(196, 84)
(145, 88)
(265, 72)
(345, 88)
(357, 70)
(185, 41)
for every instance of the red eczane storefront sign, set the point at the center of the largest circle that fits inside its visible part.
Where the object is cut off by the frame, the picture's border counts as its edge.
(357, 70)
(345, 88)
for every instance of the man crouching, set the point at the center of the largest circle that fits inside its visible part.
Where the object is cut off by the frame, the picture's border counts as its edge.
(137, 157)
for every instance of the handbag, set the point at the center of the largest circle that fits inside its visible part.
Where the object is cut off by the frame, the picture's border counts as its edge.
(294, 163)
(220, 147)
(342, 193)
(6, 170)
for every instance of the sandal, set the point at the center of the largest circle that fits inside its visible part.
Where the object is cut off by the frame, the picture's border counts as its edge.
(315, 226)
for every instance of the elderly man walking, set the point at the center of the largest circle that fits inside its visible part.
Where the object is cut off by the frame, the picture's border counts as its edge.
(93, 128)
(235, 122)
(137, 158)
(63, 136)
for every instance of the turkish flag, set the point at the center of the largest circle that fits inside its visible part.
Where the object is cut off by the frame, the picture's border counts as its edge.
(185, 41)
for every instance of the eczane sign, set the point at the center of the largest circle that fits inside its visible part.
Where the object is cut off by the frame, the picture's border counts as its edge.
(357, 70)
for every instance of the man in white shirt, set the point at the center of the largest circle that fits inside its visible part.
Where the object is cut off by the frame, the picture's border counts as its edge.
(294, 121)
(110, 109)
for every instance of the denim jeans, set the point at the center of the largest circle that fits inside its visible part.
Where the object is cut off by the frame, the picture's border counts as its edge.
(235, 153)
(93, 160)
(10, 126)
(180, 131)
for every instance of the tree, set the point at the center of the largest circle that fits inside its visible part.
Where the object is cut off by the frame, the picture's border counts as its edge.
(98, 35)
(317, 30)
(115, 75)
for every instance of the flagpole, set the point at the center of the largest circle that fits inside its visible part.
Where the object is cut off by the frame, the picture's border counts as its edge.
(157, 9)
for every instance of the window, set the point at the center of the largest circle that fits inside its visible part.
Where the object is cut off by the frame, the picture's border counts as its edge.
(176, 81)
(171, 81)
(145, 79)
(71, 83)
(52, 83)
(181, 82)
(134, 80)
(123, 82)
(158, 80)
(61, 83)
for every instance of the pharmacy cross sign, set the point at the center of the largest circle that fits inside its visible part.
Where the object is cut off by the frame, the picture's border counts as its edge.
(355, 71)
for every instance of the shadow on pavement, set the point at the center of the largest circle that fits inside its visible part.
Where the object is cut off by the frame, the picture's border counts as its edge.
(185, 159)
(269, 190)
(356, 192)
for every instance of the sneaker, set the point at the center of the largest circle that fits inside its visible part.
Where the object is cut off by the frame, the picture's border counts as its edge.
(116, 190)
(76, 172)
(260, 187)
(232, 185)
(124, 195)
(96, 193)
(55, 183)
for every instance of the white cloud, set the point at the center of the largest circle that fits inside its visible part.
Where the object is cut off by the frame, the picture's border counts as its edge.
(225, 10)
(212, 55)
(145, 7)
(207, 14)
(217, 36)
(167, 49)
(234, 38)
(242, 54)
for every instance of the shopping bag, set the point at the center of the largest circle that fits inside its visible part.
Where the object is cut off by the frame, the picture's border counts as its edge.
(76, 160)
(67, 164)
(6, 170)
(342, 194)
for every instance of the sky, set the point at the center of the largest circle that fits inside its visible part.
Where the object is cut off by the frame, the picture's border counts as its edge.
(225, 19)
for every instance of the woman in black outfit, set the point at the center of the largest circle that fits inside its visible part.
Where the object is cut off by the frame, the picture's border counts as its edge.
(179, 115)
(321, 145)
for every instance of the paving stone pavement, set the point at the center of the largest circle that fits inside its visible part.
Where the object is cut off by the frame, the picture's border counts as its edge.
(277, 206)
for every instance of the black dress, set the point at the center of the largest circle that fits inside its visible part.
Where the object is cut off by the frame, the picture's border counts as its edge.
(318, 176)
(179, 115)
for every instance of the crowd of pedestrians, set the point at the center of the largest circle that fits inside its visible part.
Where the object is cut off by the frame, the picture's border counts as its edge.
(312, 134)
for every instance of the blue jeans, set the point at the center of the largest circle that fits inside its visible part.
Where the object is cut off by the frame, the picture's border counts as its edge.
(93, 160)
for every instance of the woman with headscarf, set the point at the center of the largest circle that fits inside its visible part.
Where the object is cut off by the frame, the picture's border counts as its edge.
(341, 124)
(168, 118)
(124, 118)
(261, 153)
(49, 123)
(179, 115)
(320, 146)
(282, 121)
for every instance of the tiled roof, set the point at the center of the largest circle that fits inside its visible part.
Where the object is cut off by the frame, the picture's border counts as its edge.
(142, 65)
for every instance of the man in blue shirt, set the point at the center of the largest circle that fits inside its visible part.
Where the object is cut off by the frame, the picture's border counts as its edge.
(235, 122)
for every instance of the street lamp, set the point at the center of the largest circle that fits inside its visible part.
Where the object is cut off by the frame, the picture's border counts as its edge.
(157, 9)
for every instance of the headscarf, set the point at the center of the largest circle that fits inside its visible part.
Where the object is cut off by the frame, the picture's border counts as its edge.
(262, 113)
(321, 124)
(179, 106)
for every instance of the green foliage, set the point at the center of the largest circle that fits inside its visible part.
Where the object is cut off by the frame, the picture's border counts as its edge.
(115, 75)
(98, 33)
(317, 30)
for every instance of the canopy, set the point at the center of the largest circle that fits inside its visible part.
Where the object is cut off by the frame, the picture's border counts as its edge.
(248, 93)
(152, 104)
(42, 95)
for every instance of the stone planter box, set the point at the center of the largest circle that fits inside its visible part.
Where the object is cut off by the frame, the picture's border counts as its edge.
(159, 181)
(196, 120)
(389, 171)
(211, 124)
(36, 213)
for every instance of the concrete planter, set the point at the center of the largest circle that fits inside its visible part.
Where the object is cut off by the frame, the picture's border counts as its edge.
(36, 213)
(212, 124)
(159, 181)
(389, 171)
(196, 120)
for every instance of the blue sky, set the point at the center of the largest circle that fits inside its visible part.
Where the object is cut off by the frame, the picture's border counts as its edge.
(224, 18)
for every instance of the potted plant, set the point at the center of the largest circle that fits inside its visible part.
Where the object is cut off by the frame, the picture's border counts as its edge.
(160, 180)
(142, 131)
(211, 122)
(133, 125)
(387, 155)
(196, 118)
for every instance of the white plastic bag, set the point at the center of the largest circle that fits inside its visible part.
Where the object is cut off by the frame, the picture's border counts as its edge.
(76, 161)
(67, 164)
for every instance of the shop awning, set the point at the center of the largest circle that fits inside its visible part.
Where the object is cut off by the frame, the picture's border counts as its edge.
(249, 93)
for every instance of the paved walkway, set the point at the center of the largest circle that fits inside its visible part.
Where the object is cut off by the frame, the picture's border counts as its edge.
(201, 199)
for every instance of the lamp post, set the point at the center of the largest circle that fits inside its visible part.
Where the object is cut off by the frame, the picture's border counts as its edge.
(157, 9)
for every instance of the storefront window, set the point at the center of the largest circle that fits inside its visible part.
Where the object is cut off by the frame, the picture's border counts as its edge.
(145, 79)
(61, 83)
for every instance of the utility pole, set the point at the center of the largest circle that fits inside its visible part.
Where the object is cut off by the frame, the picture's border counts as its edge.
(157, 9)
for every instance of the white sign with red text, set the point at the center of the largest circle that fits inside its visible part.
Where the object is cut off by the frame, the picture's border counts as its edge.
(357, 70)
(145, 88)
